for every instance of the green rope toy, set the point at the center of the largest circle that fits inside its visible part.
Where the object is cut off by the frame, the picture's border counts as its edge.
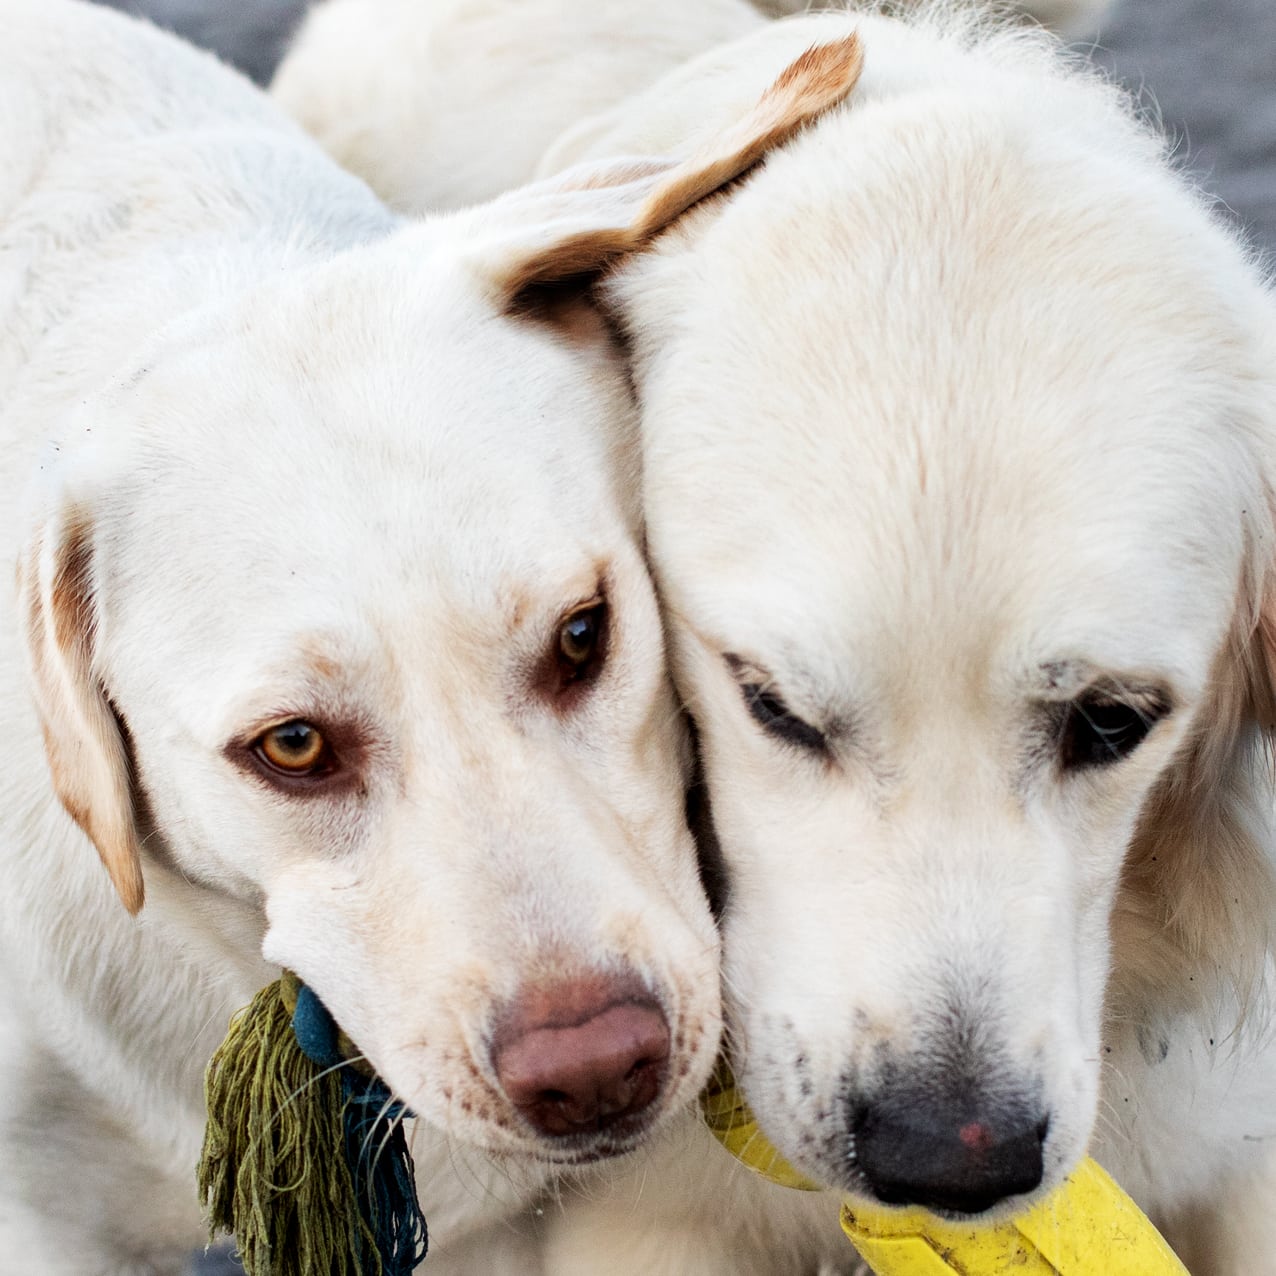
(304, 1159)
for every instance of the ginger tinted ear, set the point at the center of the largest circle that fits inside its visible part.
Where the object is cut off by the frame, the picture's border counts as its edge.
(87, 753)
(580, 221)
(1199, 884)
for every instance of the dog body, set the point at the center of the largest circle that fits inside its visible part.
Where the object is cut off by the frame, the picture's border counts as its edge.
(423, 97)
(974, 639)
(333, 622)
(975, 634)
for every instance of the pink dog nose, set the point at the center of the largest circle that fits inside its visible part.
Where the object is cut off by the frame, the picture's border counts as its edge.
(582, 1056)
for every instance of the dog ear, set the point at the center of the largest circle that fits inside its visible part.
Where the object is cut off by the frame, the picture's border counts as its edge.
(1262, 644)
(88, 755)
(572, 226)
(1199, 886)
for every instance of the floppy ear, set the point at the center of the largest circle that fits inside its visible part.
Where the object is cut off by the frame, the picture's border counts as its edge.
(1262, 648)
(1199, 888)
(573, 225)
(86, 749)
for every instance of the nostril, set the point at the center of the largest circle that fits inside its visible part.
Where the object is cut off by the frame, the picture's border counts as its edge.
(589, 1063)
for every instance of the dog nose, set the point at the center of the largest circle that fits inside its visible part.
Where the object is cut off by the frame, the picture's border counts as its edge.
(957, 1157)
(582, 1056)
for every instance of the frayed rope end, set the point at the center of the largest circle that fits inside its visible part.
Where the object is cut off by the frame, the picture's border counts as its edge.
(305, 1160)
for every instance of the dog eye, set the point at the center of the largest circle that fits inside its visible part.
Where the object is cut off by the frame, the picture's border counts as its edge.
(581, 640)
(1098, 730)
(773, 715)
(295, 748)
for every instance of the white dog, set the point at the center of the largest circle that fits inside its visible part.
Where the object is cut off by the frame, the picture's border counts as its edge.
(959, 428)
(443, 103)
(332, 615)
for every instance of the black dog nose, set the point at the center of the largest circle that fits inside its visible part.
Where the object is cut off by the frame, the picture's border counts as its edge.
(962, 1159)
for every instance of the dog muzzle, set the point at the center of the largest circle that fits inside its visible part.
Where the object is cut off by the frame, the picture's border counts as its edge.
(1086, 1227)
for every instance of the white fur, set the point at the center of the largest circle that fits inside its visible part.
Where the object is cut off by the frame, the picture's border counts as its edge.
(287, 456)
(1000, 394)
(443, 103)
(960, 406)
(1069, 17)
(378, 82)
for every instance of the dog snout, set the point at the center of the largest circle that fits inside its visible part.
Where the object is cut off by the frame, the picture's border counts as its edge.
(583, 1056)
(964, 1156)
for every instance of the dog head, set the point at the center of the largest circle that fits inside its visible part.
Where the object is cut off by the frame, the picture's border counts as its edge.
(972, 621)
(336, 603)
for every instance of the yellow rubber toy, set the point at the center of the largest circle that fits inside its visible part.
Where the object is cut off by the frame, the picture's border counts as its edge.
(1089, 1227)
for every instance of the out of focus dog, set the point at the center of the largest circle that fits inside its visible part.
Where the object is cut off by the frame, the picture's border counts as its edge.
(442, 103)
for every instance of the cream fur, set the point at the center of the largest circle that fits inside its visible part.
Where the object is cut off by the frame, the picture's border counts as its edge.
(284, 456)
(1000, 392)
(1068, 17)
(443, 103)
(960, 406)
(378, 82)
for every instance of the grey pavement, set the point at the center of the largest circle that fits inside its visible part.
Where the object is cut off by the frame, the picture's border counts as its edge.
(1209, 67)
(249, 34)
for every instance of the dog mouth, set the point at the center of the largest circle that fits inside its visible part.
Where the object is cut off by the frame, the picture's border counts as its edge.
(957, 1149)
(587, 1149)
(960, 1201)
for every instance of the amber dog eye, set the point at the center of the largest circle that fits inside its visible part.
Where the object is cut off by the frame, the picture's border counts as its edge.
(295, 748)
(580, 636)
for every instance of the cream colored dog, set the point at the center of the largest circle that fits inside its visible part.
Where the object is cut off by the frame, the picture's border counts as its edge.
(974, 636)
(332, 615)
(959, 427)
(443, 103)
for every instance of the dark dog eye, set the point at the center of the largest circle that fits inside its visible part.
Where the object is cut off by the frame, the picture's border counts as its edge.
(581, 644)
(1098, 730)
(579, 636)
(772, 714)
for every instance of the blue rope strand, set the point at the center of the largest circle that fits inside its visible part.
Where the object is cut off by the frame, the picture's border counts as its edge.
(376, 1147)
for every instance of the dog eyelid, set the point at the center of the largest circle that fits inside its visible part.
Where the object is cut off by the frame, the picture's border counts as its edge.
(770, 711)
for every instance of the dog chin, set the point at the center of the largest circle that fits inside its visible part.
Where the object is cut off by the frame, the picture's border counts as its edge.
(848, 1183)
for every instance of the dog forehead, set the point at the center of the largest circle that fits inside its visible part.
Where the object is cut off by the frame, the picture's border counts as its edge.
(817, 551)
(285, 477)
(935, 251)
(373, 373)
(947, 384)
